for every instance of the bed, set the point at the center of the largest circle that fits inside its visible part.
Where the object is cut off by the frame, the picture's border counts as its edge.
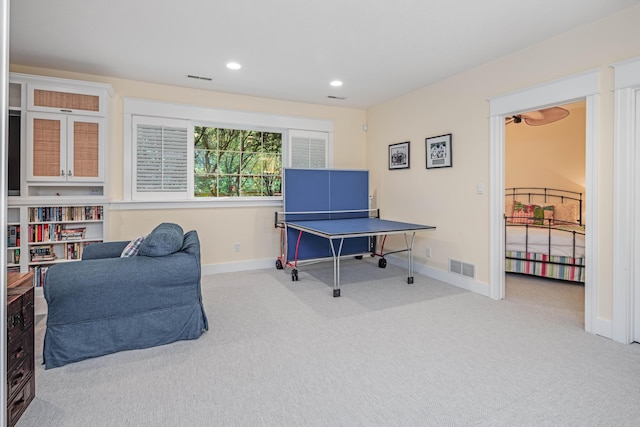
(545, 233)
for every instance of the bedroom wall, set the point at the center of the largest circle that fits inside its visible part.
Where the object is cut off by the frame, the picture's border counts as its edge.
(551, 156)
(447, 198)
(219, 228)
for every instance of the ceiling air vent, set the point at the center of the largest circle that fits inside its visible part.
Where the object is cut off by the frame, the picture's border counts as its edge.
(336, 97)
(193, 76)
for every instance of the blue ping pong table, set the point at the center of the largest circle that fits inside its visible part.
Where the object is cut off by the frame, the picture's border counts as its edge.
(337, 230)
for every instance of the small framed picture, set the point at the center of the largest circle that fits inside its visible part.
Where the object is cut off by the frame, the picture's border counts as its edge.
(399, 155)
(438, 149)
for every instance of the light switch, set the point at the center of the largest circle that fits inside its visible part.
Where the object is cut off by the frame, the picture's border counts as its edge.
(480, 188)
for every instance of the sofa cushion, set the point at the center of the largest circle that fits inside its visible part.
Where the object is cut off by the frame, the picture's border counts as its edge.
(132, 248)
(164, 240)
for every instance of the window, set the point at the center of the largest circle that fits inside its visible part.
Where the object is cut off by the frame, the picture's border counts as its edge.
(181, 152)
(236, 162)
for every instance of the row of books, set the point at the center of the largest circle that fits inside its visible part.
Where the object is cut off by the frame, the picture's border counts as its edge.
(66, 213)
(39, 271)
(54, 233)
(46, 253)
(13, 236)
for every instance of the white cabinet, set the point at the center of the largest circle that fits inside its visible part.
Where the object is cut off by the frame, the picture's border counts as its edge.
(74, 98)
(64, 148)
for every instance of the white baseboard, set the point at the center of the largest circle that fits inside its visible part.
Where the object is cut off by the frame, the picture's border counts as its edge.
(444, 276)
(603, 327)
(230, 267)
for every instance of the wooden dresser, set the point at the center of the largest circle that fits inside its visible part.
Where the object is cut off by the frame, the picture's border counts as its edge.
(21, 383)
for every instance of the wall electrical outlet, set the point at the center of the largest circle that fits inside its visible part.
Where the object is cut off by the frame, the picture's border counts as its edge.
(236, 247)
(428, 252)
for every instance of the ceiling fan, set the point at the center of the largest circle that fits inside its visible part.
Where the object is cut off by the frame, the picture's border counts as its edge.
(539, 117)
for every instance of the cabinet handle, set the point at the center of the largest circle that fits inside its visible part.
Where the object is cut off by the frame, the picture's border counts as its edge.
(61, 173)
(17, 378)
(70, 174)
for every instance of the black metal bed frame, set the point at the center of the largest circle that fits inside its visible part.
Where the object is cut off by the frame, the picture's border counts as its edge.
(544, 195)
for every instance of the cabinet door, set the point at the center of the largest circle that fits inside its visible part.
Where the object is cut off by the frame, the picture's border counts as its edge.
(84, 149)
(65, 100)
(46, 147)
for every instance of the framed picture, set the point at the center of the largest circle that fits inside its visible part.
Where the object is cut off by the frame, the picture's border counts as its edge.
(399, 155)
(438, 151)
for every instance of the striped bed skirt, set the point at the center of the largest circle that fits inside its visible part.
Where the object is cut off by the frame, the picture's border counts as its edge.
(553, 267)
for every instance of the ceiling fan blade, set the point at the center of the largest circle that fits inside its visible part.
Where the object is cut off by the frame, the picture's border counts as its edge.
(548, 115)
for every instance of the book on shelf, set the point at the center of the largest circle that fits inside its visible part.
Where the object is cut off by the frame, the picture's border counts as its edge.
(42, 253)
(72, 233)
(38, 274)
(13, 236)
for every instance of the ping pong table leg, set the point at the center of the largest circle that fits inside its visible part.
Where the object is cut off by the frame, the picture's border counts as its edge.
(410, 256)
(336, 267)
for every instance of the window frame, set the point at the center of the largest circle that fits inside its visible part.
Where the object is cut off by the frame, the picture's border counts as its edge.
(201, 115)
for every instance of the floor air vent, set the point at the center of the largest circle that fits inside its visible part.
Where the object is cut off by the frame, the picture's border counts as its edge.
(462, 268)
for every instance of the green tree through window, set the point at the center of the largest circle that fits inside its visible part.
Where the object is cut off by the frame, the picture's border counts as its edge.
(236, 162)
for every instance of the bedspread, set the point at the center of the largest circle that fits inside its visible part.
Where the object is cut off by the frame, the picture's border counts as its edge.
(532, 239)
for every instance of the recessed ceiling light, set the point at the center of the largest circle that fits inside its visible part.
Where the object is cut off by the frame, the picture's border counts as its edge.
(336, 83)
(234, 66)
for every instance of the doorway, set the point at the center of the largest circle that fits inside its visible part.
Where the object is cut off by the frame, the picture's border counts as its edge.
(545, 173)
(572, 89)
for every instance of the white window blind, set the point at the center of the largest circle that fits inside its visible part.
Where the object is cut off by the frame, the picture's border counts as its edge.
(308, 150)
(162, 155)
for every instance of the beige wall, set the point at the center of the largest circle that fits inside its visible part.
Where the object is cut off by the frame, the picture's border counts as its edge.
(551, 156)
(219, 229)
(459, 105)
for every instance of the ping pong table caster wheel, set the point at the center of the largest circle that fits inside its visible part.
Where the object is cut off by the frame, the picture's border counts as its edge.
(294, 275)
(409, 280)
(336, 293)
(279, 264)
(358, 256)
(382, 263)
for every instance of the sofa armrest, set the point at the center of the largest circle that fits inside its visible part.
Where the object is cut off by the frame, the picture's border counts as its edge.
(103, 250)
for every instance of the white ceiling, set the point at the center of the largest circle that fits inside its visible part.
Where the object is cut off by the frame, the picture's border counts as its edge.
(289, 49)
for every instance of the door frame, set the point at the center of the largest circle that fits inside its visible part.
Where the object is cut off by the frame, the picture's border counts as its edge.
(626, 203)
(583, 86)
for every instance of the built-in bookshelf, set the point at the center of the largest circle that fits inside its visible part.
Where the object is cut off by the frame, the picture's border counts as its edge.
(13, 240)
(60, 234)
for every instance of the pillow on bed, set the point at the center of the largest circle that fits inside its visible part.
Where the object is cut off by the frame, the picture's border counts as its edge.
(522, 214)
(508, 207)
(543, 214)
(566, 212)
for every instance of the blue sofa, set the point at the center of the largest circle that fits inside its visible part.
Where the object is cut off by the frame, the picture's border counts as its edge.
(107, 303)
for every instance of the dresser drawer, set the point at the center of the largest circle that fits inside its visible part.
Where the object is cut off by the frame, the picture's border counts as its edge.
(19, 375)
(19, 314)
(17, 405)
(19, 349)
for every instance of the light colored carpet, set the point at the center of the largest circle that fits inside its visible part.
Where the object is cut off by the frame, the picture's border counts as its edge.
(283, 353)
